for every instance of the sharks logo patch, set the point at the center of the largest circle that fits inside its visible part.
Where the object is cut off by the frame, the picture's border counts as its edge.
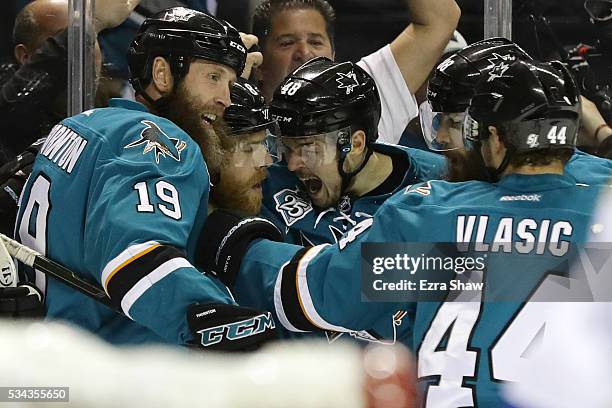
(347, 81)
(370, 335)
(291, 206)
(499, 65)
(155, 140)
(179, 14)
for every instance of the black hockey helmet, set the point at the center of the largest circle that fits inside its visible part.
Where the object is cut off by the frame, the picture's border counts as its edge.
(452, 83)
(249, 114)
(328, 99)
(323, 96)
(536, 106)
(180, 34)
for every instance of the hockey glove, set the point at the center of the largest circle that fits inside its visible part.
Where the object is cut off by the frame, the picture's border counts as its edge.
(224, 240)
(222, 327)
(22, 301)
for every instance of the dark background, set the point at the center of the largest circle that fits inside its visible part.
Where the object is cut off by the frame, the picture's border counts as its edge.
(373, 23)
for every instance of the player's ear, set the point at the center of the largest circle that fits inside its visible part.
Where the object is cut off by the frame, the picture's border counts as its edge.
(355, 156)
(162, 76)
(22, 54)
(495, 139)
(358, 142)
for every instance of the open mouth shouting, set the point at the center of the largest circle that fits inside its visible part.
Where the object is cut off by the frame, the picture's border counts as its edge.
(313, 184)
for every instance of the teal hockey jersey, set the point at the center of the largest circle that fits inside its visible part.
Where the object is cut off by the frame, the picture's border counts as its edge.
(119, 195)
(589, 169)
(465, 350)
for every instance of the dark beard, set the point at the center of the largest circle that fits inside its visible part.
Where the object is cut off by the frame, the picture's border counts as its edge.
(465, 165)
(186, 112)
(229, 193)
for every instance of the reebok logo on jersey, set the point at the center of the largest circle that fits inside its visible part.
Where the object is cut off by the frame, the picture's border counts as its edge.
(291, 206)
(155, 140)
(522, 197)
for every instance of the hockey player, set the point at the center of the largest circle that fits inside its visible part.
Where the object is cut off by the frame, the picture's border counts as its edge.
(449, 91)
(336, 174)
(253, 150)
(464, 349)
(120, 194)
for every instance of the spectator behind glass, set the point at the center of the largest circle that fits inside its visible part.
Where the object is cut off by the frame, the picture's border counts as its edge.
(292, 32)
(32, 90)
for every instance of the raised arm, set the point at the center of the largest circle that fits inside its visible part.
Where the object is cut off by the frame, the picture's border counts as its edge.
(418, 48)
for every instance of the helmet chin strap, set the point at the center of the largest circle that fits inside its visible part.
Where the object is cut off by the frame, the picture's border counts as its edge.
(493, 172)
(347, 177)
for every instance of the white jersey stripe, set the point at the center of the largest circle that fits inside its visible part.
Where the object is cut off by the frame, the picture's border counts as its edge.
(151, 279)
(278, 303)
(124, 256)
(304, 293)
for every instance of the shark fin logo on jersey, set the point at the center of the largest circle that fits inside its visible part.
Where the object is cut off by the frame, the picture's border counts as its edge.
(336, 233)
(363, 335)
(291, 206)
(155, 140)
(347, 81)
(422, 189)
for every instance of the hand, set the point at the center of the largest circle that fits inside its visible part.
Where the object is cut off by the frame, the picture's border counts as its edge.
(224, 327)
(23, 301)
(593, 124)
(111, 13)
(254, 58)
(225, 239)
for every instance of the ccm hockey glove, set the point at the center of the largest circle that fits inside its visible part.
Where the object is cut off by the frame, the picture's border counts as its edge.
(224, 240)
(221, 327)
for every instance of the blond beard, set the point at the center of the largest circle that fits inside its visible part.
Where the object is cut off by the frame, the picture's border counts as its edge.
(184, 111)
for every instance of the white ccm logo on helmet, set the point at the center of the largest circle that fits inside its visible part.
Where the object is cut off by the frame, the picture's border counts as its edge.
(237, 46)
(283, 119)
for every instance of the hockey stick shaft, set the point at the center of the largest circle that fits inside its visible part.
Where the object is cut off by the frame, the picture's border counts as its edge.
(38, 261)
